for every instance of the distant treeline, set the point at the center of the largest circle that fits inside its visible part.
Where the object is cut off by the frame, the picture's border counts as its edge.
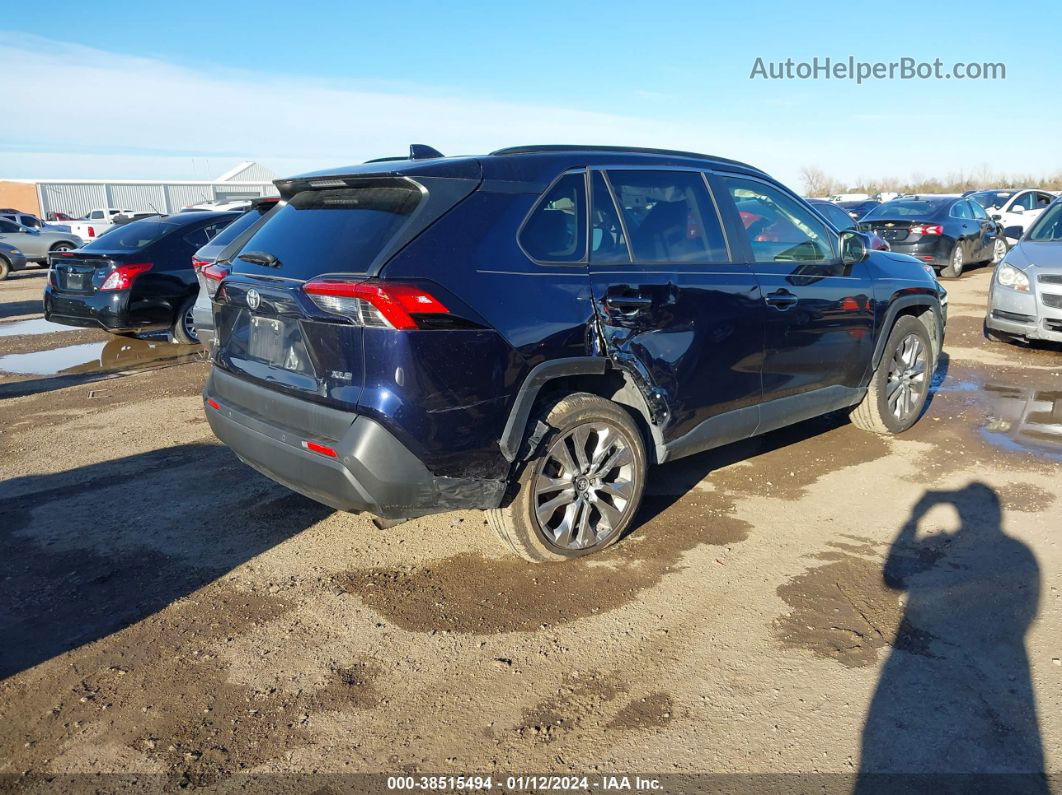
(819, 183)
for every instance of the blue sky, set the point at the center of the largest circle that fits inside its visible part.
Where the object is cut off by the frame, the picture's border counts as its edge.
(186, 90)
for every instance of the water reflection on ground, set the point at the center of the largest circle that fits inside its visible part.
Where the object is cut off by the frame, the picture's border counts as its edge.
(118, 353)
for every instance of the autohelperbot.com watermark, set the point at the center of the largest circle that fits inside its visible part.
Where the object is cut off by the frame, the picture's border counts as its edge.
(851, 68)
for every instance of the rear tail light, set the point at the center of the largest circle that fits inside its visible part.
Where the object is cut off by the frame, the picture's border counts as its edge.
(92, 231)
(928, 229)
(374, 304)
(199, 263)
(122, 277)
(213, 275)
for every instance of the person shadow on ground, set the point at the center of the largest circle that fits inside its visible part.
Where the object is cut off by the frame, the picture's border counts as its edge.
(955, 709)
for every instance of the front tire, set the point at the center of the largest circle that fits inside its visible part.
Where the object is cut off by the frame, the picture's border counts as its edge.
(183, 328)
(5, 267)
(62, 247)
(899, 387)
(953, 270)
(580, 489)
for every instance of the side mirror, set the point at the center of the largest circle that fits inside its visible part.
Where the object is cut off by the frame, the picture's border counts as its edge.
(1014, 232)
(853, 247)
(1017, 208)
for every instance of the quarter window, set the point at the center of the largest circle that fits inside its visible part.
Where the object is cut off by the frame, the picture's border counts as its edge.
(556, 229)
(777, 226)
(607, 242)
(669, 216)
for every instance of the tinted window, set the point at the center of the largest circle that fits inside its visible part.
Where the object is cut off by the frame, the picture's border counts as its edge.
(30, 221)
(8, 227)
(1048, 227)
(905, 208)
(240, 225)
(978, 211)
(779, 228)
(1026, 200)
(556, 230)
(991, 198)
(332, 231)
(96, 215)
(960, 210)
(835, 215)
(1043, 200)
(131, 236)
(669, 216)
(198, 238)
(607, 243)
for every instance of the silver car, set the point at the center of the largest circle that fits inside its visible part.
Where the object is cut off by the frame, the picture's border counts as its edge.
(11, 260)
(1025, 299)
(36, 244)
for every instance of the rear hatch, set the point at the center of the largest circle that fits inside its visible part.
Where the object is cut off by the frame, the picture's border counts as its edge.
(293, 305)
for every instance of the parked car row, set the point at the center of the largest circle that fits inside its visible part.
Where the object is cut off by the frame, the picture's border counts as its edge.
(32, 244)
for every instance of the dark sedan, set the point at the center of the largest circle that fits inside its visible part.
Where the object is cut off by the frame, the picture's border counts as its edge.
(841, 220)
(857, 209)
(945, 232)
(136, 278)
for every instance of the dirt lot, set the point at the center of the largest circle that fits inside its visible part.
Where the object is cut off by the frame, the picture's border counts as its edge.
(816, 601)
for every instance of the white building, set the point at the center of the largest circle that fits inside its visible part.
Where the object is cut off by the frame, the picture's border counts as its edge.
(75, 197)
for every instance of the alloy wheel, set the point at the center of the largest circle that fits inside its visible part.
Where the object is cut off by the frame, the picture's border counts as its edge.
(188, 324)
(584, 485)
(908, 377)
(999, 251)
(956, 259)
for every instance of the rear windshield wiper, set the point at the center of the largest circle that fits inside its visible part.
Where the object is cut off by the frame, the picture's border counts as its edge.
(260, 258)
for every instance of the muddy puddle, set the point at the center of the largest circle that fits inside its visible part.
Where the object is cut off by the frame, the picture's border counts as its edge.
(1020, 416)
(119, 353)
(28, 328)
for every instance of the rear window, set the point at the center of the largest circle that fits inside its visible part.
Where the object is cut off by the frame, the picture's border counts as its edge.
(240, 225)
(911, 208)
(331, 231)
(131, 236)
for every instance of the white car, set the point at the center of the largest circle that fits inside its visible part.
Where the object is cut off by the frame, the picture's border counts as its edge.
(1018, 207)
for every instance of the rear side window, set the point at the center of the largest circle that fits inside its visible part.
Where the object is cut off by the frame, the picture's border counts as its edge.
(331, 231)
(669, 216)
(240, 225)
(556, 229)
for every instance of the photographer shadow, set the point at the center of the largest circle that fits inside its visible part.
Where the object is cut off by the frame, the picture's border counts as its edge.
(955, 708)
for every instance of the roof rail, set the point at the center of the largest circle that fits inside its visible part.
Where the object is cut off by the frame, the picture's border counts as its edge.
(638, 150)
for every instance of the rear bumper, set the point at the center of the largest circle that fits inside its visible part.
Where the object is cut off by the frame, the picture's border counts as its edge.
(108, 311)
(371, 471)
(934, 251)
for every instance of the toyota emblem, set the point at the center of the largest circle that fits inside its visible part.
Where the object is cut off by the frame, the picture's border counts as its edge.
(254, 300)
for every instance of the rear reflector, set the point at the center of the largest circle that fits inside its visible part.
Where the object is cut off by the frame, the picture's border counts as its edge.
(122, 277)
(320, 449)
(374, 304)
(213, 404)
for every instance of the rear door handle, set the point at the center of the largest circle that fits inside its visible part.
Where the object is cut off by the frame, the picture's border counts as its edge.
(628, 303)
(781, 299)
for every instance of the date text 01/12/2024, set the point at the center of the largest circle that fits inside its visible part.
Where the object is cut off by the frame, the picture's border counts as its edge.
(517, 783)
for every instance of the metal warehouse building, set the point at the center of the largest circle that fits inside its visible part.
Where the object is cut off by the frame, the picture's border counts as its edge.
(76, 197)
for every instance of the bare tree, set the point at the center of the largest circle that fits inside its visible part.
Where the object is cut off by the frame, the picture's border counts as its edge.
(817, 182)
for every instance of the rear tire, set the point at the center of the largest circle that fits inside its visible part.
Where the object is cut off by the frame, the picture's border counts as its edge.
(62, 247)
(899, 387)
(183, 328)
(5, 267)
(580, 489)
(953, 270)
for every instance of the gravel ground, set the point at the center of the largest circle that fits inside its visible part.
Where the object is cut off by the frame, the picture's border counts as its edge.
(816, 601)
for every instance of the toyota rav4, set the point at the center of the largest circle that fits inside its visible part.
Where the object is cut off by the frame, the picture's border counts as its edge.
(529, 331)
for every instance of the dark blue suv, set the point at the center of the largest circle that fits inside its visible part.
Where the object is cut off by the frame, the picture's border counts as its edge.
(528, 331)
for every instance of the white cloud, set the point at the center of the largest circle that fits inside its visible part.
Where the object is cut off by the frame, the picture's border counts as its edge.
(75, 111)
